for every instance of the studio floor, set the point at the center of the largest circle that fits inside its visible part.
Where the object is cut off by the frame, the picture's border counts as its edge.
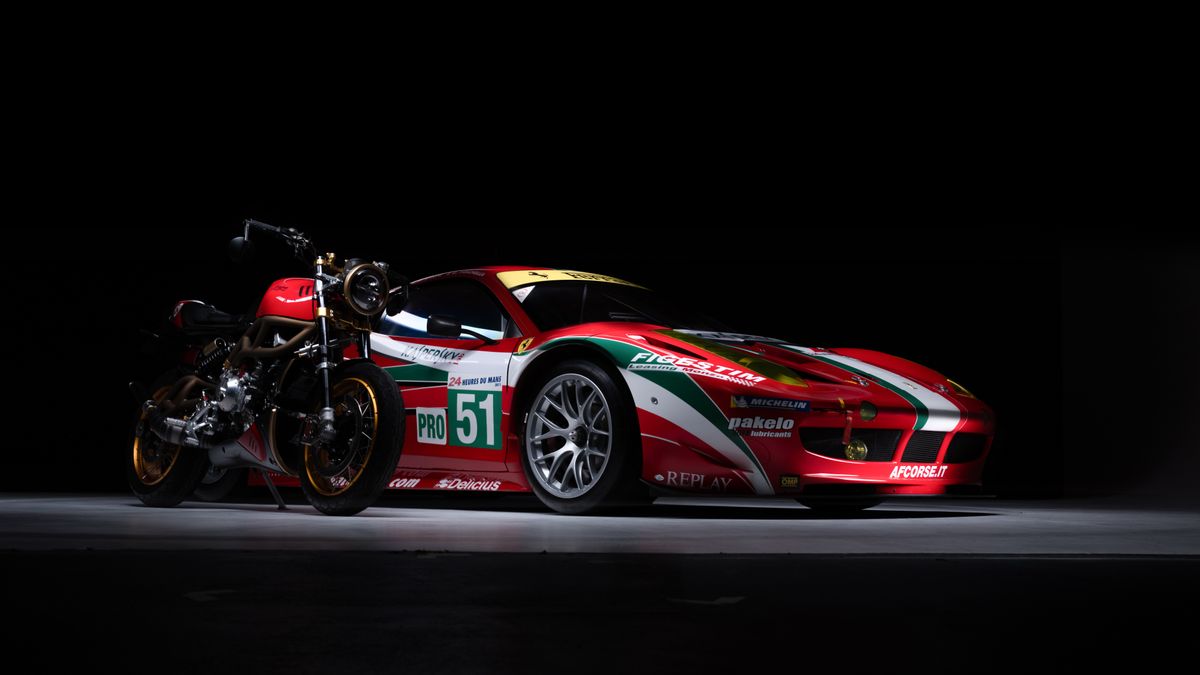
(476, 584)
(517, 524)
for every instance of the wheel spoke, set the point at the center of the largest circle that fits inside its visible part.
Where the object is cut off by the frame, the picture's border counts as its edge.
(579, 469)
(553, 433)
(578, 465)
(586, 406)
(558, 463)
(546, 420)
(551, 455)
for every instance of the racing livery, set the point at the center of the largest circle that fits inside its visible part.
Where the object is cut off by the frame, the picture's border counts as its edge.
(587, 390)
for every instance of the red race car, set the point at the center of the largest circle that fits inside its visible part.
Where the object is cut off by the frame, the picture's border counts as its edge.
(585, 389)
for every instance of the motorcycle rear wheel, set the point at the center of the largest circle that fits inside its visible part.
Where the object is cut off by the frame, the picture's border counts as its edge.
(161, 474)
(347, 475)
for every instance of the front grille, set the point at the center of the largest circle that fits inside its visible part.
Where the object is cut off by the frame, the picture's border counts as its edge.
(965, 448)
(923, 447)
(827, 442)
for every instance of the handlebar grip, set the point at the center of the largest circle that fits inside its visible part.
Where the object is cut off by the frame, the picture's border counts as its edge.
(250, 222)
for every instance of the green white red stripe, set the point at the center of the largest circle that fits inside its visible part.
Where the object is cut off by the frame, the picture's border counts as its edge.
(935, 412)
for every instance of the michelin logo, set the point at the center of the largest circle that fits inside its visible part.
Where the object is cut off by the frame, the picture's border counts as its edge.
(772, 403)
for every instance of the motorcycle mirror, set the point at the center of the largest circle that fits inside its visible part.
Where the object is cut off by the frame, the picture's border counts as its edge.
(398, 296)
(241, 250)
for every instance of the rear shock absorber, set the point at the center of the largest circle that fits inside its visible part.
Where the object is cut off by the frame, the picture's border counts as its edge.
(216, 356)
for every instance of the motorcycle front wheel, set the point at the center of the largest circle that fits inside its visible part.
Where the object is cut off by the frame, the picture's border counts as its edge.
(346, 475)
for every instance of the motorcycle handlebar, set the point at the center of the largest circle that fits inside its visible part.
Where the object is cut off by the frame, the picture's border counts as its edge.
(301, 245)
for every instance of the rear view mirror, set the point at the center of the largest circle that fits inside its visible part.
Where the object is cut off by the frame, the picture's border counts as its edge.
(443, 326)
(241, 250)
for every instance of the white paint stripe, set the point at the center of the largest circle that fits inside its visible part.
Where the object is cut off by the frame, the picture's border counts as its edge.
(673, 409)
(944, 415)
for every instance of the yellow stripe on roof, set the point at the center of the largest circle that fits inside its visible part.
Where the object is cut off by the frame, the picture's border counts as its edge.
(522, 277)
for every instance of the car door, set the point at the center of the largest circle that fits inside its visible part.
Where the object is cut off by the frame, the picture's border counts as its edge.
(454, 389)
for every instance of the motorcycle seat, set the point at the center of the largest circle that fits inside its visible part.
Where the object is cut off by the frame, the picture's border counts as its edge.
(200, 319)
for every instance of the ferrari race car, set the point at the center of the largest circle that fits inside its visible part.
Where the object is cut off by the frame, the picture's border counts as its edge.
(588, 390)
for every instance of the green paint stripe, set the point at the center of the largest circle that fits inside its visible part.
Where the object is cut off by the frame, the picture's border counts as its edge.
(921, 410)
(416, 372)
(683, 386)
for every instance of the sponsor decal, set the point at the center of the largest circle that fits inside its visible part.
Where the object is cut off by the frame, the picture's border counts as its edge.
(521, 293)
(475, 419)
(920, 471)
(652, 361)
(789, 481)
(521, 277)
(942, 389)
(403, 483)
(524, 345)
(763, 427)
(474, 381)
(764, 402)
(469, 483)
(431, 426)
(422, 353)
(727, 337)
(694, 481)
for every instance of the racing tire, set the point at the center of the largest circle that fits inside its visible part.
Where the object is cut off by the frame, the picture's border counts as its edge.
(840, 506)
(347, 475)
(161, 474)
(216, 484)
(580, 449)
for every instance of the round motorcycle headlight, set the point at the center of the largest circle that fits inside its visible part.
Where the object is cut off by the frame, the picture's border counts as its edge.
(366, 289)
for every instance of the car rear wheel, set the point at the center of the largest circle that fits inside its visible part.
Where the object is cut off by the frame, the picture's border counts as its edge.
(580, 447)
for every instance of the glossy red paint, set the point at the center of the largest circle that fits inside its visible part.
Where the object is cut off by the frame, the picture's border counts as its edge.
(291, 298)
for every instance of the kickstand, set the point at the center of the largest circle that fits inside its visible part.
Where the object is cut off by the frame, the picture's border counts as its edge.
(274, 490)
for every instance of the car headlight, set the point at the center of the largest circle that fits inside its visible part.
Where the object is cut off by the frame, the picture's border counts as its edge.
(867, 411)
(366, 289)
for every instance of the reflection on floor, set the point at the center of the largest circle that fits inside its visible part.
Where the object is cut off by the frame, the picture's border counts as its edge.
(519, 525)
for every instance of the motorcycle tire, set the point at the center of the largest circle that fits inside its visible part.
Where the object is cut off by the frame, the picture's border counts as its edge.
(347, 475)
(161, 474)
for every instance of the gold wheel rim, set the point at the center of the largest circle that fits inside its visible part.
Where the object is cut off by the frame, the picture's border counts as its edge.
(153, 459)
(318, 456)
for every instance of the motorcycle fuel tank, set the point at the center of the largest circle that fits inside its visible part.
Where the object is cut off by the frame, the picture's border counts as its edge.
(291, 298)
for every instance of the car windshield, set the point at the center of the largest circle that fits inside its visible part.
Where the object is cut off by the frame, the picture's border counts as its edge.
(557, 304)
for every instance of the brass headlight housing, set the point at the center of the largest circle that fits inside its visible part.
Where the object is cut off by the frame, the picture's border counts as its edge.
(366, 289)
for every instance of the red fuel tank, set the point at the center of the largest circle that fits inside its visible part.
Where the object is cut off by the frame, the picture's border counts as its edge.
(292, 298)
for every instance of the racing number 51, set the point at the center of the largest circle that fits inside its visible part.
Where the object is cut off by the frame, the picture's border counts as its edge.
(475, 419)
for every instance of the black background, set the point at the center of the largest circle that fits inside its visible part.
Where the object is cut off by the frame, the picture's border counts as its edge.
(1018, 239)
(1082, 339)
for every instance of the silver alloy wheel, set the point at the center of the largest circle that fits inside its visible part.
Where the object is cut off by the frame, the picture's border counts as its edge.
(568, 436)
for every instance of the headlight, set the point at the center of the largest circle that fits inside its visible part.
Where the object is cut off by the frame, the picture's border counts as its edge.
(366, 289)
(867, 411)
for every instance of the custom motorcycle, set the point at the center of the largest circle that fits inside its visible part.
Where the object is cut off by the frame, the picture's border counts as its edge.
(291, 390)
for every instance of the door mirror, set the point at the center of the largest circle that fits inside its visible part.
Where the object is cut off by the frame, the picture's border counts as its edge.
(241, 250)
(443, 326)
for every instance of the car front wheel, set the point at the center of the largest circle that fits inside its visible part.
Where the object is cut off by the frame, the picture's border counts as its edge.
(580, 446)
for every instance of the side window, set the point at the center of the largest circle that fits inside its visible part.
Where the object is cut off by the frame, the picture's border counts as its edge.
(465, 300)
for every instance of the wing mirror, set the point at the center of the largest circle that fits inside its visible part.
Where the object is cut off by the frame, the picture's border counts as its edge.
(441, 325)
